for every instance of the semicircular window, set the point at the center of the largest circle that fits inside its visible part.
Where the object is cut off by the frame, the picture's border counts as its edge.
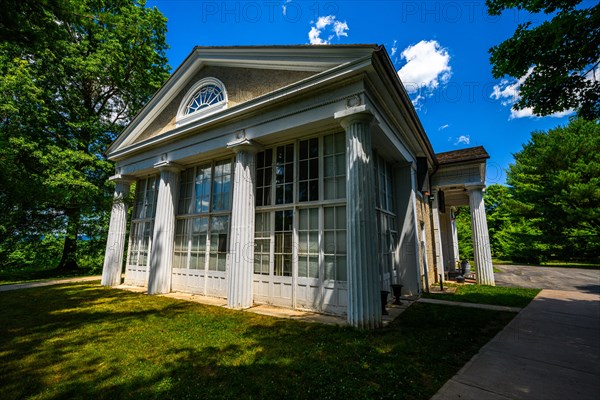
(207, 96)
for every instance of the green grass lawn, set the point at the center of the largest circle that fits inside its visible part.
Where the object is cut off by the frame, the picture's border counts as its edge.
(89, 342)
(497, 295)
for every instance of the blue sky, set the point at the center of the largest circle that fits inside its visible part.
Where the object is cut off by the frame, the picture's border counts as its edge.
(440, 49)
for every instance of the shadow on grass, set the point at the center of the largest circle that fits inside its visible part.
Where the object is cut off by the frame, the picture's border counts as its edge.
(83, 341)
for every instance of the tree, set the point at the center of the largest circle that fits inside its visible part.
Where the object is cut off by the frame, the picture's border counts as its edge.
(72, 74)
(555, 192)
(497, 214)
(558, 59)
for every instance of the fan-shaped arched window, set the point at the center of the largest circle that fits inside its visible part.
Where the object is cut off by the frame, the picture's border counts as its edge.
(205, 97)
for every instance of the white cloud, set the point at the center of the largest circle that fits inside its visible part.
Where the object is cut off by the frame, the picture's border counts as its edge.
(509, 92)
(464, 139)
(446, 126)
(394, 48)
(336, 29)
(284, 6)
(427, 66)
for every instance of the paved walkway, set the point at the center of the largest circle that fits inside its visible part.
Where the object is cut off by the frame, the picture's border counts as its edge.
(557, 278)
(26, 285)
(469, 305)
(551, 350)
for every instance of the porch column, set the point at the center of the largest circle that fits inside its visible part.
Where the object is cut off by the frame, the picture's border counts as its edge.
(481, 239)
(115, 244)
(437, 236)
(161, 256)
(454, 235)
(408, 225)
(241, 252)
(364, 299)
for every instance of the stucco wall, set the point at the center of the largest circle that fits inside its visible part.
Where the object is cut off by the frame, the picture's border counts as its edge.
(241, 84)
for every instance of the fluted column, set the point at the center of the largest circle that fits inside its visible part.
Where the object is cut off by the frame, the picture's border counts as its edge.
(161, 256)
(364, 299)
(115, 244)
(241, 251)
(481, 239)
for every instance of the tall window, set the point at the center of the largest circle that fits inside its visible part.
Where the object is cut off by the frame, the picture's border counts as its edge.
(283, 242)
(262, 240)
(334, 166)
(284, 174)
(308, 170)
(308, 243)
(334, 232)
(142, 223)
(290, 179)
(202, 230)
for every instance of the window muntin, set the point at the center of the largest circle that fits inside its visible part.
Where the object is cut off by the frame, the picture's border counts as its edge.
(207, 96)
(383, 184)
(204, 98)
(142, 223)
(308, 170)
(202, 229)
(334, 166)
(284, 174)
(262, 243)
(283, 243)
(264, 171)
(308, 243)
(334, 233)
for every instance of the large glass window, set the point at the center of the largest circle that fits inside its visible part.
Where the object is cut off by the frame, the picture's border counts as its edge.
(284, 174)
(334, 231)
(308, 243)
(202, 229)
(262, 240)
(334, 166)
(142, 223)
(308, 170)
(283, 242)
(264, 171)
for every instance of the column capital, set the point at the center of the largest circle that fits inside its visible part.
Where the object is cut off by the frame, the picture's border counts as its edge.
(354, 114)
(166, 165)
(122, 178)
(474, 186)
(244, 144)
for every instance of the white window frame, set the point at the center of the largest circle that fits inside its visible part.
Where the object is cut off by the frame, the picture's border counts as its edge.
(183, 118)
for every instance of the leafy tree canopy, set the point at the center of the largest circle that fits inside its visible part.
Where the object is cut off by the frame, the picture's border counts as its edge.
(555, 190)
(72, 75)
(558, 59)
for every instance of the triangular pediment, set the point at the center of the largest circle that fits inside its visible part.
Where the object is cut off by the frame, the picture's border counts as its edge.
(246, 73)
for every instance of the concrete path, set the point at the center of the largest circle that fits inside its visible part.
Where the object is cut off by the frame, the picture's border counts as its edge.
(469, 305)
(26, 285)
(551, 350)
(557, 278)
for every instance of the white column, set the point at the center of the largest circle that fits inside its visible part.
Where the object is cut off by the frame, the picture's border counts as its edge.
(454, 235)
(364, 298)
(437, 236)
(481, 239)
(241, 251)
(161, 256)
(408, 248)
(115, 244)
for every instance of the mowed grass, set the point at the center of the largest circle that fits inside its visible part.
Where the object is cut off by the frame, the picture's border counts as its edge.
(482, 294)
(83, 341)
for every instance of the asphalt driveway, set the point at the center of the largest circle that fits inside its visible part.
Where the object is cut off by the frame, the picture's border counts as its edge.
(555, 278)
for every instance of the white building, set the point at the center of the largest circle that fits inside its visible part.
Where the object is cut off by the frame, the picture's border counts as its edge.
(298, 176)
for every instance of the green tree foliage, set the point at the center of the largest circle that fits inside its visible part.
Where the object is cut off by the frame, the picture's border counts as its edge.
(72, 74)
(464, 233)
(559, 58)
(555, 195)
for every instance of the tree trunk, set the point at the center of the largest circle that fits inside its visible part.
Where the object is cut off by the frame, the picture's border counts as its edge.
(68, 262)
